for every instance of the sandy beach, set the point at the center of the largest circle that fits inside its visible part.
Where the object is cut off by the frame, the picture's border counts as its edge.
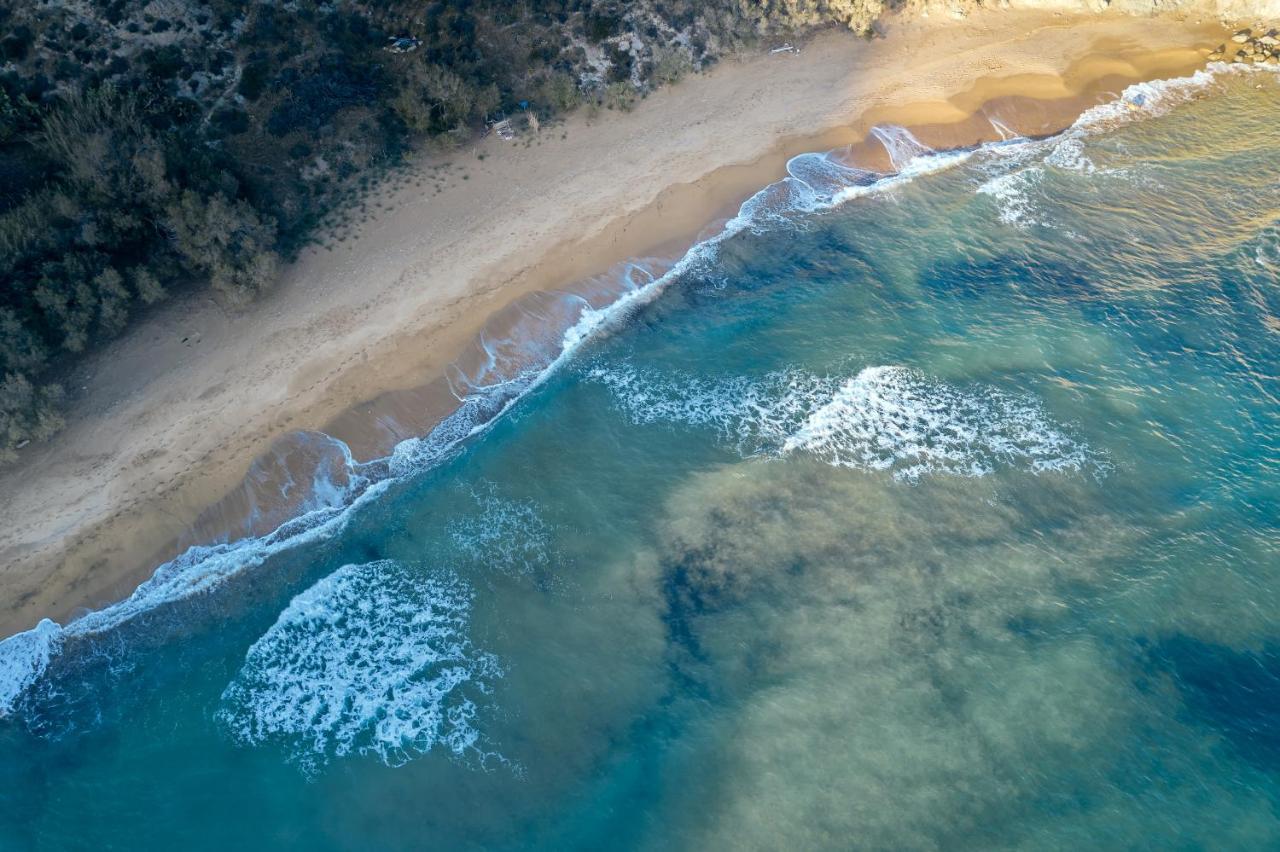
(165, 425)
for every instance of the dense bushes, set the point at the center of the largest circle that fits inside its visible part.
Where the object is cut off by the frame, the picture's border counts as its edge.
(129, 199)
(141, 156)
(320, 92)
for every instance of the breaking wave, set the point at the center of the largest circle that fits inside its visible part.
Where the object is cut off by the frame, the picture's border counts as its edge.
(883, 419)
(24, 658)
(1012, 196)
(1020, 163)
(370, 660)
(888, 418)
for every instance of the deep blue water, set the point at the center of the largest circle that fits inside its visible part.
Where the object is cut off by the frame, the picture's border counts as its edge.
(940, 511)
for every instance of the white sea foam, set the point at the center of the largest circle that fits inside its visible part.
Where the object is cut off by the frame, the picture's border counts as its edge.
(884, 418)
(1018, 169)
(370, 660)
(1006, 132)
(888, 418)
(1069, 155)
(819, 182)
(197, 571)
(23, 658)
(504, 535)
(755, 415)
(903, 148)
(1011, 193)
(1154, 98)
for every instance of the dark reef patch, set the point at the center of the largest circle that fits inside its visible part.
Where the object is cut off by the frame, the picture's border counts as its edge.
(1236, 693)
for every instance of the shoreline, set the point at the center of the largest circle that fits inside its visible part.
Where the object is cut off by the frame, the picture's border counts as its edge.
(95, 511)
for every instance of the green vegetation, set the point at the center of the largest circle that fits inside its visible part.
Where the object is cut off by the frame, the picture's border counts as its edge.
(142, 156)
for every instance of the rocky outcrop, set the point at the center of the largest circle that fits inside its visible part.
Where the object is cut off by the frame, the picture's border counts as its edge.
(1248, 45)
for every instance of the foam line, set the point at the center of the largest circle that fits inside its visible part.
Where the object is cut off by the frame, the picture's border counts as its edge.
(1006, 132)
(1065, 151)
(369, 660)
(902, 147)
(885, 418)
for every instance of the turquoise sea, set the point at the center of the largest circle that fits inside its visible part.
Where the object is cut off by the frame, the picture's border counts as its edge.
(918, 511)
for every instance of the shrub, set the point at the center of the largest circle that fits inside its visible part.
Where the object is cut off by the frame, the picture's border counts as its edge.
(147, 286)
(17, 44)
(670, 64)
(253, 80)
(27, 413)
(620, 96)
(600, 26)
(316, 98)
(559, 91)
(231, 122)
(226, 240)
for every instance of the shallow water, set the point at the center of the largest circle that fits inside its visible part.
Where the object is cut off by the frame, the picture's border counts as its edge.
(935, 511)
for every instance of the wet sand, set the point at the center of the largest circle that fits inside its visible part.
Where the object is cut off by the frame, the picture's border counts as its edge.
(353, 341)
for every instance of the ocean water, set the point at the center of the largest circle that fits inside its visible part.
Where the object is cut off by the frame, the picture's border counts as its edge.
(931, 510)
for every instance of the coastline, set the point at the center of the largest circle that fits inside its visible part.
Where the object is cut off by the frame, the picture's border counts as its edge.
(93, 512)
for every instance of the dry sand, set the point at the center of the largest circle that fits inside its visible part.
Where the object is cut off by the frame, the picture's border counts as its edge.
(168, 420)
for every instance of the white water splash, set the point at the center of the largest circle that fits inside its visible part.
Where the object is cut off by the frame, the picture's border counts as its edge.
(1020, 165)
(884, 418)
(888, 418)
(1154, 98)
(900, 145)
(370, 660)
(197, 571)
(1011, 193)
(1069, 155)
(23, 659)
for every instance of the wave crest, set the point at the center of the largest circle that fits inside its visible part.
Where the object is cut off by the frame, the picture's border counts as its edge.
(885, 418)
